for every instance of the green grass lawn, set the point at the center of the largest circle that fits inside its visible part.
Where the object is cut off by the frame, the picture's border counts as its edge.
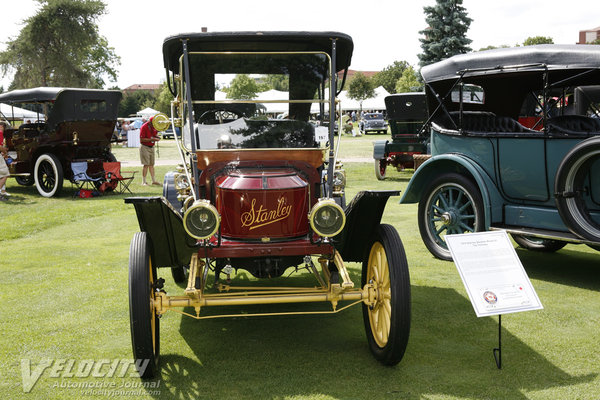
(65, 263)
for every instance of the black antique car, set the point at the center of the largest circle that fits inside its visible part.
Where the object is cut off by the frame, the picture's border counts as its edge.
(407, 113)
(258, 199)
(372, 122)
(71, 125)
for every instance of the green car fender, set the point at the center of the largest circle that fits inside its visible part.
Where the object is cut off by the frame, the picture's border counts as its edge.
(436, 165)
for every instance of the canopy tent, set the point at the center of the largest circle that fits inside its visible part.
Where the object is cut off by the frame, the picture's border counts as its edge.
(271, 108)
(15, 113)
(374, 103)
(147, 112)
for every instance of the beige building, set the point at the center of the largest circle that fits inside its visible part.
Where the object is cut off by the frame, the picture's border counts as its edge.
(149, 87)
(589, 36)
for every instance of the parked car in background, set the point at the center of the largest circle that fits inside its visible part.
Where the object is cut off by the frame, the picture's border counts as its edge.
(72, 125)
(488, 171)
(257, 200)
(372, 122)
(407, 113)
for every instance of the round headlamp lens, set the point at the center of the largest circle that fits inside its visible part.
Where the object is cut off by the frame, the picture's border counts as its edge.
(327, 218)
(201, 220)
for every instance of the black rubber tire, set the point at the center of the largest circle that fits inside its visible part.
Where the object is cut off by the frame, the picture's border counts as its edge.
(180, 274)
(572, 177)
(387, 245)
(380, 168)
(110, 157)
(48, 175)
(25, 180)
(538, 244)
(144, 323)
(431, 214)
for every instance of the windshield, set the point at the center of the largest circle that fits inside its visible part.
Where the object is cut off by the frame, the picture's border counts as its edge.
(258, 100)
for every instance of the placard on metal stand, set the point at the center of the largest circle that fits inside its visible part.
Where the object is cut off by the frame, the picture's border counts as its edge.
(494, 277)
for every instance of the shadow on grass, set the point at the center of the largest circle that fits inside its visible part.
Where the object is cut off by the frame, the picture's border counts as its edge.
(30, 194)
(567, 267)
(449, 354)
(392, 176)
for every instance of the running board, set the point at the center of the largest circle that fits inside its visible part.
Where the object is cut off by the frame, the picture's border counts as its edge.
(543, 234)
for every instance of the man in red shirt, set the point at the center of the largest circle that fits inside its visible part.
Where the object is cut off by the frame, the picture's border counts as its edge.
(148, 137)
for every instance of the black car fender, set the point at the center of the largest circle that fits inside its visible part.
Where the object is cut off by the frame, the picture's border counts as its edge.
(363, 217)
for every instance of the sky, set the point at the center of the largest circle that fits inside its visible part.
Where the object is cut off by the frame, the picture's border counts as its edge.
(383, 31)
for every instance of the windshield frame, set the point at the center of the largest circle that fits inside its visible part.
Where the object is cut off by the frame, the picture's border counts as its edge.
(189, 102)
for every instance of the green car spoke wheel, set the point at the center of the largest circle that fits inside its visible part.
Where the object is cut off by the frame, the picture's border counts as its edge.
(450, 205)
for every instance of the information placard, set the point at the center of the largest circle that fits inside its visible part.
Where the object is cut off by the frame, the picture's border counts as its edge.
(492, 273)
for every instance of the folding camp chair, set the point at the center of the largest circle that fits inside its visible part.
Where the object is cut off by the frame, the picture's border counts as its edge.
(114, 180)
(81, 179)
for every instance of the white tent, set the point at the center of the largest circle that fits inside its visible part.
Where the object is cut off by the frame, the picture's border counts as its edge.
(18, 113)
(272, 94)
(374, 103)
(147, 112)
(377, 102)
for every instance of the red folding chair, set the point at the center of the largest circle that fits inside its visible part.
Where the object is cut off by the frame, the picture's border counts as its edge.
(114, 180)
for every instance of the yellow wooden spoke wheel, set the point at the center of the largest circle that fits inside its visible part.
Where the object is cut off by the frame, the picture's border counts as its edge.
(387, 318)
(380, 314)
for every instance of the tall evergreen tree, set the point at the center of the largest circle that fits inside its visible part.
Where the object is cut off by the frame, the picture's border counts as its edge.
(61, 46)
(445, 35)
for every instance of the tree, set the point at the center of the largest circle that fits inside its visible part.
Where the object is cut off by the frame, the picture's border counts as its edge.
(134, 102)
(60, 46)
(445, 35)
(408, 82)
(491, 47)
(531, 41)
(360, 88)
(277, 82)
(163, 100)
(242, 87)
(388, 76)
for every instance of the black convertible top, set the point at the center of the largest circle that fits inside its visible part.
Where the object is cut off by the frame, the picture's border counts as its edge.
(406, 106)
(258, 41)
(528, 57)
(45, 94)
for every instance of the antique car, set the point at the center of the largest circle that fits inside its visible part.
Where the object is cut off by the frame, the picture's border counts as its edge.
(72, 125)
(372, 122)
(259, 199)
(488, 171)
(407, 113)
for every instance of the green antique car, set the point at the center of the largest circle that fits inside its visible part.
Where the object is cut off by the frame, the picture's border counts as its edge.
(511, 149)
(407, 113)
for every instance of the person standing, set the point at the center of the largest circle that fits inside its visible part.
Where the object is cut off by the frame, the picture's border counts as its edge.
(4, 173)
(124, 130)
(148, 138)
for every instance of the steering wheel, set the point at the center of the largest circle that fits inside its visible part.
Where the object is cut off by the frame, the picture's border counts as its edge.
(221, 115)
